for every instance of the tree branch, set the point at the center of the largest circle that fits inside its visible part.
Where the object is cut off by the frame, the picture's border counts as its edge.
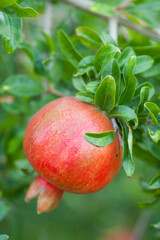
(122, 20)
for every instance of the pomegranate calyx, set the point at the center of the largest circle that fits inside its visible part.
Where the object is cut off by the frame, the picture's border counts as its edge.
(48, 195)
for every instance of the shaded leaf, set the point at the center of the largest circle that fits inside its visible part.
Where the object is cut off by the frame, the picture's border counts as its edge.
(88, 37)
(127, 160)
(144, 95)
(4, 209)
(125, 113)
(145, 84)
(22, 86)
(155, 182)
(105, 94)
(113, 69)
(130, 81)
(100, 139)
(68, 49)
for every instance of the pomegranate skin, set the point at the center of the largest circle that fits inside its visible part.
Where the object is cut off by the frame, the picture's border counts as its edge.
(55, 146)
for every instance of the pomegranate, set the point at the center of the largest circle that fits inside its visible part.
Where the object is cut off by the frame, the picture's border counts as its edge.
(55, 146)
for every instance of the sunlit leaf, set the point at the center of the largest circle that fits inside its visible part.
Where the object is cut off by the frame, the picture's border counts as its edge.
(100, 139)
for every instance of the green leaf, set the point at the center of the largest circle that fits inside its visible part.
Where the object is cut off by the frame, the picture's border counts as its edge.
(88, 37)
(153, 50)
(85, 97)
(145, 84)
(153, 71)
(153, 110)
(104, 9)
(152, 203)
(113, 69)
(4, 237)
(107, 39)
(4, 209)
(79, 84)
(143, 63)
(125, 55)
(156, 225)
(35, 56)
(22, 86)
(155, 182)
(144, 95)
(127, 160)
(100, 139)
(105, 94)
(104, 55)
(6, 3)
(130, 81)
(15, 107)
(85, 65)
(155, 136)
(92, 86)
(23, 12)
(68, 49)
(11, 34)
(125, 113)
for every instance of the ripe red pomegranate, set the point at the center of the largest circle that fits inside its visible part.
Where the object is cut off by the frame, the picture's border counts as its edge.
(55, 146)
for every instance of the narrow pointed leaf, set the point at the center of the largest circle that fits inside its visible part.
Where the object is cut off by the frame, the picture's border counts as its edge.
(104, 55)
(125, 113)
(113, 69)
(130, 81)
(153, 110)
(105, 94)
(100, 139)
(68, 49)
(155, 182)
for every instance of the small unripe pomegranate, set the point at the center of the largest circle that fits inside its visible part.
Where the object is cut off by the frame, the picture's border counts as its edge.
(55, 146)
